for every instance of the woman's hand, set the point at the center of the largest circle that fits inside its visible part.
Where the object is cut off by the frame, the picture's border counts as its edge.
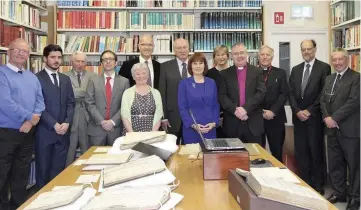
(209, 127)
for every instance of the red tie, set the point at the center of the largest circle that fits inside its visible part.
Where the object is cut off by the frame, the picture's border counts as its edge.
(108, 94)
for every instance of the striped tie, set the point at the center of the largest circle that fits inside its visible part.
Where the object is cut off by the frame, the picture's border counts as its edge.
(306, 76)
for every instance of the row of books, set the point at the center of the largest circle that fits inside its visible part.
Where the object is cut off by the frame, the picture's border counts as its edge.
(161, 3)
(157, 20)
(347, 37)
(3, 58)
(354, 61)
(93, 66)
(231, 20)
(20, 13)
(344, 11)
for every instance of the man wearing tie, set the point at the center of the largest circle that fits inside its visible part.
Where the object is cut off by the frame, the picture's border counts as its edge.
(103, 100)
(340, 107)
(306, 82)
(241, 95)
(171, 72)
(79, 78)
(274, 114)
(53, 133)
(146, 46)
(21, 105)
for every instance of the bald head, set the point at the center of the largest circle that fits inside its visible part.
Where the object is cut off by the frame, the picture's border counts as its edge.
(18, 52)
(146, 46)
(19, 41)
(181, 48)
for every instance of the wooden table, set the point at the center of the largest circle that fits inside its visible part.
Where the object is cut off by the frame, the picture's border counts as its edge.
(198, 194)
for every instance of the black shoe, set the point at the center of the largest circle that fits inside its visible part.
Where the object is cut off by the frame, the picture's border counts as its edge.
(335, 199)
(353, 205)
(321, 191)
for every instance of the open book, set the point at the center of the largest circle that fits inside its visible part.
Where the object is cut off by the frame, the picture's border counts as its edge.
(108, 159)
(280, 190)
(132, 138)
(132, 170)
(131, 198)
(56, 198)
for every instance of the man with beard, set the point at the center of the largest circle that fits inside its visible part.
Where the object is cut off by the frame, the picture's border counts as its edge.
(274, 114)
(53, 133)
(146, 46)
(241, 95)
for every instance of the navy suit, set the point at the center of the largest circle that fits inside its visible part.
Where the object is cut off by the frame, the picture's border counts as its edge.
(51, 148)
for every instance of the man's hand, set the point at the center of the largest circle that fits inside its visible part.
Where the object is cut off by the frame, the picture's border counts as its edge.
(57, 128)
(330, 123)
(26, 127)
(307, 113)
(302, 116)
(63, 128)
(240, 112)
(268, 114)
(165, 125)
(107, 125)
(244, 118)
(35, 119)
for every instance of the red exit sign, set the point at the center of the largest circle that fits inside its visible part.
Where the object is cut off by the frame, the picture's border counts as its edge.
(279, 18)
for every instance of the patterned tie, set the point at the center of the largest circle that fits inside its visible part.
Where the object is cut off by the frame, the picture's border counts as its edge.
(306, 76)
(108, 95)
(337, 84)
(149, 81)
(55, 80)
(79, 80)
(184, 71)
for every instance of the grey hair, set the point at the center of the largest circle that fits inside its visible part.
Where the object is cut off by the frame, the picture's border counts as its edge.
(78, 53)
(239, 44)
(137, 67)
(341, 50)
(266, 47)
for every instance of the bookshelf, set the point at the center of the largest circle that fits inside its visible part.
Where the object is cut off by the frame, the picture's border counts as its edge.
(117, 25)
(22, 19)
(345, 29)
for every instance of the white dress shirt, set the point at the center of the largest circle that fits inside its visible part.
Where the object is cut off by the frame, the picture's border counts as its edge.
(334, 82)
(14, 68)
(111, 80)
(51, 76)
(304, 68)
(150, 66)
(180, 67)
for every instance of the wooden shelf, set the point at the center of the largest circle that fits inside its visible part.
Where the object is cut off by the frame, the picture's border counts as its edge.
(180, 9)
(3, 48)
(346, 23)
(31, 53)
(24, 25)
(34, 5)
(353, 48)
(336, 2)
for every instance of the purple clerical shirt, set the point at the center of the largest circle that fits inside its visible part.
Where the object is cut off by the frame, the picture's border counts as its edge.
(241, 76)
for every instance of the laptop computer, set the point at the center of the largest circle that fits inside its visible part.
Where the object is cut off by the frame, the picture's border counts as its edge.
(152, 150)
(219, 143)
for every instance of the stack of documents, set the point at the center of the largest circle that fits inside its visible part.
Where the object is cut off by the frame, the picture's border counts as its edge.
(132, 138)
(132, 170)
(108, 159)
(57, 198)
(131, 198)
(280, 190)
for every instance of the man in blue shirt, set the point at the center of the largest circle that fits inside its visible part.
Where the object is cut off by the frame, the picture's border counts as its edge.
(21, 105)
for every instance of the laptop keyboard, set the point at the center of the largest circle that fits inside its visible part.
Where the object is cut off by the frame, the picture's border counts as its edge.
(220, 143)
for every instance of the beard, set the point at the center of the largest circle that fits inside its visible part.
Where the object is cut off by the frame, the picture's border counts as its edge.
(52, 68)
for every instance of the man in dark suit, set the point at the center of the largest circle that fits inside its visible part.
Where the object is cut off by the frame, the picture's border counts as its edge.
(306, 82)
(274, 114)
(103, 99)
(340, 107)
(146, 46)
(241, 95)
(171, 72)
(53, 134)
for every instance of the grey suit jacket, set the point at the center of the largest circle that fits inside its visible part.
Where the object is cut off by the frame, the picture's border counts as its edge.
(79, 94)
(95, 101)
(168, 87)
(344, 105)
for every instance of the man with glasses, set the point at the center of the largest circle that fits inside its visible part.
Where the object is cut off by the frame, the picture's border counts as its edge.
(340, 107)
(21, 105)
(103, 100)
(79, 78)
(306, 82)
(146, 46)
(53, 134)
(241, 96)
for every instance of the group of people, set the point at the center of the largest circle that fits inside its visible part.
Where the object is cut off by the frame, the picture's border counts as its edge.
(183, 97)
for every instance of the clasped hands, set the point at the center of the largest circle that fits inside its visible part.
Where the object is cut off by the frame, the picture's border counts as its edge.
(303, 115)
(241, 113)
(204, 128)
(61, 129)
(268, 114)
(107, 125)
(330, 123)
(27, 125)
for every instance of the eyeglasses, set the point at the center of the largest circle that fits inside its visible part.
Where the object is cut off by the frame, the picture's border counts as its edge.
(105, 60)
(307, 49)
(242, 53)
(19, 51)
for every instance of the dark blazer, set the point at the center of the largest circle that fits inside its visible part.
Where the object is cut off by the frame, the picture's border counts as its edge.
(168, 88)
(229, 99)
(125, 71)
(55, 112)
(214, 74)
(344, 105)
(276, 92)
(311, 100)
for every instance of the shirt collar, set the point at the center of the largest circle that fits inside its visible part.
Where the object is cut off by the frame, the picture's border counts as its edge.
(112, 76)
(50, 71)
(142, 60)
(241, 67)
(180, 62)
(343, 72)
(311, 62)
(14, 68)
